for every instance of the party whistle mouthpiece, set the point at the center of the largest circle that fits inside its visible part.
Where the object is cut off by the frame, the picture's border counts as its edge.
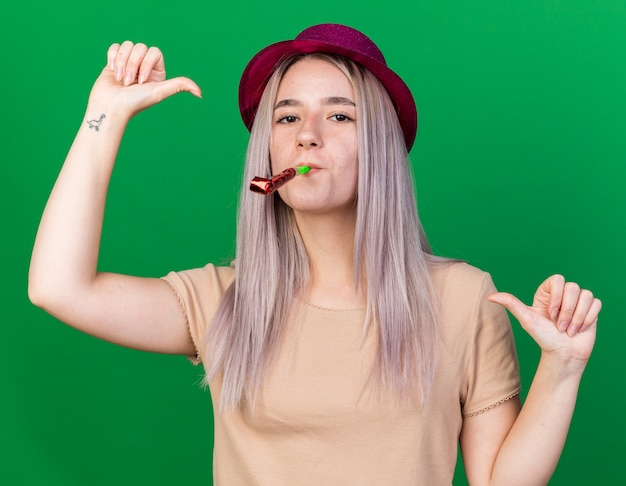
(265, 186)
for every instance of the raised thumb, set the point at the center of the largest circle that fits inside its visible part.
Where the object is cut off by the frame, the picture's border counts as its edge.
(515, 306)
(172, 86)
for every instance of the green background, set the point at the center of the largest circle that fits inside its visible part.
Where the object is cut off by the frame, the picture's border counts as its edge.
(519, 166)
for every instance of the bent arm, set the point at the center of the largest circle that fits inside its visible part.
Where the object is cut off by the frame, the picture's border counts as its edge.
(65, 254)
(502, 447)
(63, 279)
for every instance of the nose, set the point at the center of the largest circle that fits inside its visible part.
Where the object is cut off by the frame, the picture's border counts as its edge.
(309, 135)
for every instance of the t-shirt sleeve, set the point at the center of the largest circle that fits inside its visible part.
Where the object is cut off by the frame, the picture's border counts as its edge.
(493, 369)
(199, 292)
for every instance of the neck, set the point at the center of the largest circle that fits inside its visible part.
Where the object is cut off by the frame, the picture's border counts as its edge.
(329, 242)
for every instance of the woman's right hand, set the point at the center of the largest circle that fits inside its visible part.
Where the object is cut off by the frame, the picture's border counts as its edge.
(134, 79)
(64, 279)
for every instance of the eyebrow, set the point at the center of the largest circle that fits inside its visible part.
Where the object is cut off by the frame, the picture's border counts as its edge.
(331, 100)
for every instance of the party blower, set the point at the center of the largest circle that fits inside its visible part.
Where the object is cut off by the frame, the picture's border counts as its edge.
(268, 186)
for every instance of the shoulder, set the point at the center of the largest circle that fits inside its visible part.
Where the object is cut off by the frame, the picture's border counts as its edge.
(209, 278)
(456, 279)
(199, 292)
(461, 291)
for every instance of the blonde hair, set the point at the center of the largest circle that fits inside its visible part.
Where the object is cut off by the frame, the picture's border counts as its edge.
(390, 249)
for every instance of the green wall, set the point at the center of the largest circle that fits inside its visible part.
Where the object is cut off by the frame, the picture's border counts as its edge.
(520, 167)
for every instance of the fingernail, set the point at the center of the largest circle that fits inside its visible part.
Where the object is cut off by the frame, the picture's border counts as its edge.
(128, 79)
(554, 313)
(140, 78)
(118, 74)
(563, 325)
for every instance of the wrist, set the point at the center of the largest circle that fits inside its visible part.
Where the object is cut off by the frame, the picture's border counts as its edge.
(105, 118)
(562, 367)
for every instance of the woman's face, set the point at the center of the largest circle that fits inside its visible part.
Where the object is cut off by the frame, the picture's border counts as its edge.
(314, 123)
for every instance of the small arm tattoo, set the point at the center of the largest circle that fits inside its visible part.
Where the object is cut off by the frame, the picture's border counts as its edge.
(95, 124)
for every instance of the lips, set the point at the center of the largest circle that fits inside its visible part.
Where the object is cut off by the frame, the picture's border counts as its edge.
(312, 166)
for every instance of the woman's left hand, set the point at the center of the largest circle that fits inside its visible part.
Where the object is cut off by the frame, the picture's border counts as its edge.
(562, 319)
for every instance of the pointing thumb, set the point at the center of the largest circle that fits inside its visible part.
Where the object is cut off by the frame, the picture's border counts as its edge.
(515, 306)
(172, 86)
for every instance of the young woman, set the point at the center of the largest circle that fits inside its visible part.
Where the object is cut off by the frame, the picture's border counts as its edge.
(338, 349)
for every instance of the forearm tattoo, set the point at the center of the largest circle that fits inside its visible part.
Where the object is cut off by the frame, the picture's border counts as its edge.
(95, 124)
